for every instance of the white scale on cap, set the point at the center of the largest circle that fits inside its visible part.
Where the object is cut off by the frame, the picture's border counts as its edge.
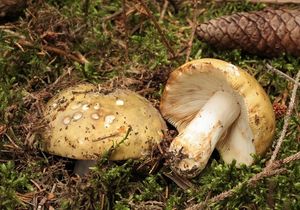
(119, 102)
(108, 120)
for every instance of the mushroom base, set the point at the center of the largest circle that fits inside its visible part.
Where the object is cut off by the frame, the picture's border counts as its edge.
(82, 167)
(192, 148)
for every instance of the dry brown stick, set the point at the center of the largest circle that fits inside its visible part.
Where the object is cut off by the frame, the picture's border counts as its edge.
(163, 11)
(7, 27)
(162, 34)
(11, 141)
(193, 31)
(286, 119)
(13, 33)
(281, 74)
(112, 16)
(291, 158)
(64, 53)
(194, 27)
(125, 28)
(79, 58)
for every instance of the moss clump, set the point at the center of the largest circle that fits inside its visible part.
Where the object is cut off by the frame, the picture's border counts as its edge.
(13, 184)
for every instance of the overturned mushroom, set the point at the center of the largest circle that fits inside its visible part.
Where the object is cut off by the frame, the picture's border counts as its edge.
(83, 124)
(213, 103)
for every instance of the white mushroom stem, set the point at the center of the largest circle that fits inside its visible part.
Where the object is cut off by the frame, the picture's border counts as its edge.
(194, 145)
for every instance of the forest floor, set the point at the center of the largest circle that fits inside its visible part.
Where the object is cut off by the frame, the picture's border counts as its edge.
(125, 44)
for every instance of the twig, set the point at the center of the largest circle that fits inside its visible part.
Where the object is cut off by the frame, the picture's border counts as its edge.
(125, 28)
(112, 16)
(36, 185)
(163, 11)
(51, 193)
(291, 158)
(79, 58)
(61, 77)
(280, 73)
(194, 27)
(181, 182)
(11, 141)
(7, 27)
(193, 31)
(286, 119)
(162, 34)
(8, 31)
(41, 203)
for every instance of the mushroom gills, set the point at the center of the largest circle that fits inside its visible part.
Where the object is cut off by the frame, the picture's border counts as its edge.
(237, 145)
(195, 144)
(82, 167)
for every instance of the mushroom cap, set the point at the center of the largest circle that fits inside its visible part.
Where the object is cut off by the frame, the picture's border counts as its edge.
(84, 123)
(191, 85)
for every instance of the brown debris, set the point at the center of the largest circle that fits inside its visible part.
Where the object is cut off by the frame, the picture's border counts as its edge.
(53, 28)
(279, 109)
(268, 32)
(11, 9)
(2, 129)
(279, 105)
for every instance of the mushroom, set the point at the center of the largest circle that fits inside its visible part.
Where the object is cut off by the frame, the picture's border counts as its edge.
(213, 103)
(84, 123)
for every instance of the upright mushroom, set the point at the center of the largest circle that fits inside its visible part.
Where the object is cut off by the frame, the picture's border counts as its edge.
(83, 124)
(213, 103)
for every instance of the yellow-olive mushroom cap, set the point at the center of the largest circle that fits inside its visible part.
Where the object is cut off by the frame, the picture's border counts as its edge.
(189, 88)
(84, 123)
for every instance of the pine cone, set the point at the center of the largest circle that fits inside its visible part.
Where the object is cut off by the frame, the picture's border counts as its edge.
(267, 32)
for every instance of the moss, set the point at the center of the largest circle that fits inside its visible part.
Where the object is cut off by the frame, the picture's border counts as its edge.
(13, 184)
(30, 75)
